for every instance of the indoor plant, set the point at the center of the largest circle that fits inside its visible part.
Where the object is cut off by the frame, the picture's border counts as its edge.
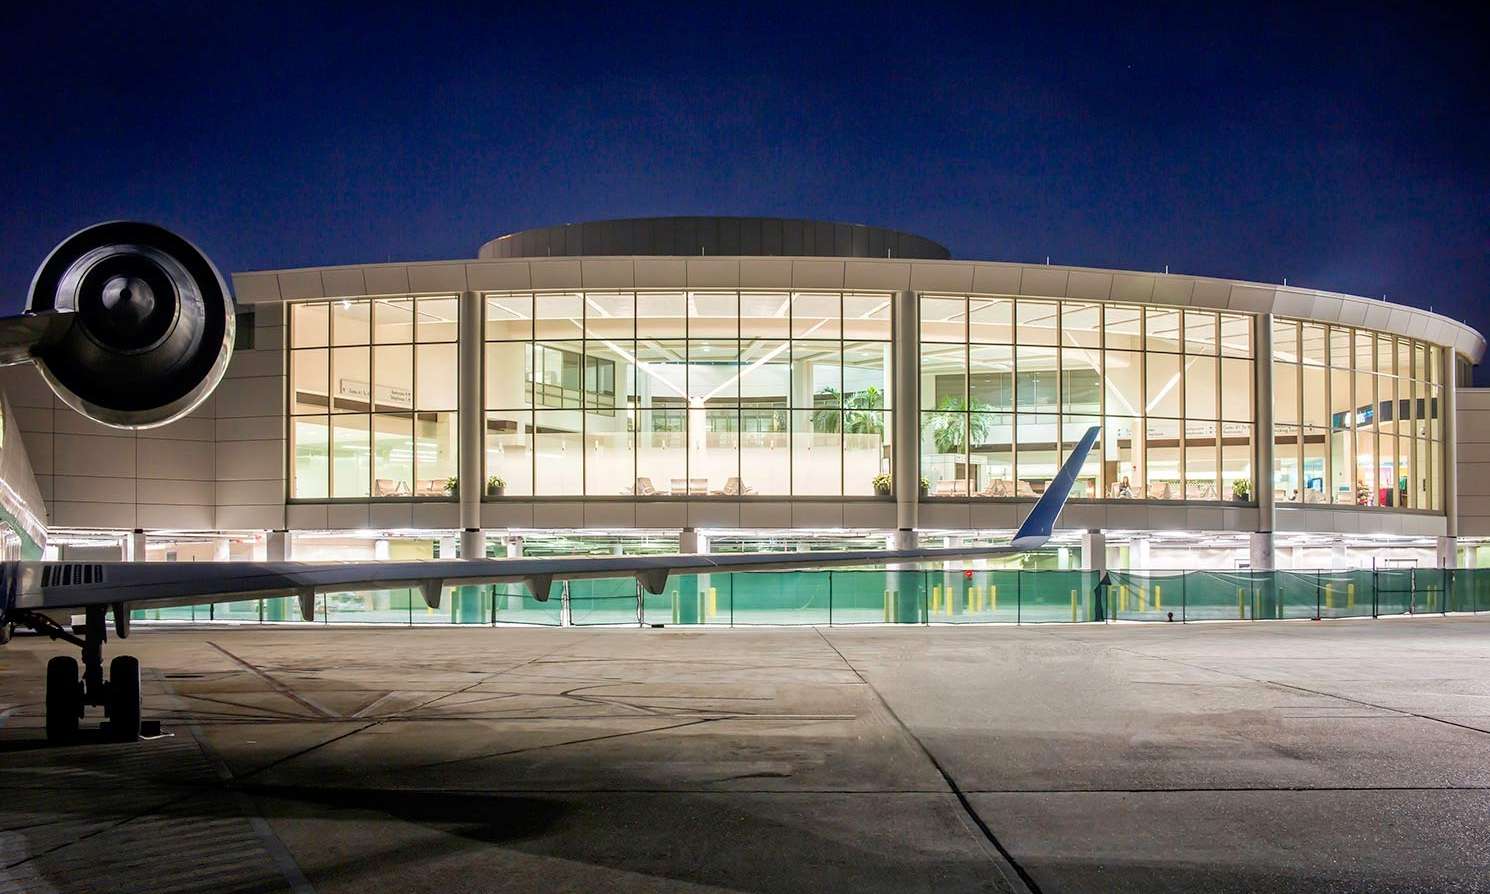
(1241, 490)
(495, 485)
(882, 485)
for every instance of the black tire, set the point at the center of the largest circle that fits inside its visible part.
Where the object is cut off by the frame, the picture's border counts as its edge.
(64, 699)
(124, 698)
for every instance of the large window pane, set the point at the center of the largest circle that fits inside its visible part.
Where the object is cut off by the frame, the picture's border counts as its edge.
(991, 437)
(866, 375)
(816, 315)
(438, 319)
(661, 373)
(1038, 322)
(610, 315)
(310, 325)
(765, 372)
(1037, 453)
(1200, 332)
(393, 320)
(991, 378)
(1081, 325)
(309, 377)
(393, 378)
(436, 377)
(1316, 406)
(558, 316)
(1089, 479)
(1236, 463)
(1236, 389)
(436, 446)
(393, 455)
(866, 316)
(713, 315)
(1314, 343)
(1162, 385)
(1286, 341)
(1287, 471)
(765, 449)
(610, 454)
(1124, 378)
(1236, 335)
(944, 460)
(351, 455)
(991, 321)
(1285, 394)
(1124, 326)
(1316, 451)
(311, 472)
(944, 376)
(661, 314)
(1162, 329)
(1162, 455)
(1201, 458)
(817, 458)
(764, 314)
(713, 372)
(817, 374)
(714, 451)
(351, 387)
(559, 453)
(1122, 452)
(866, 449)
(662, 458)
(350, 322)
(1038, 381)
(1200, 388)
(509, 450)
(1081, 380)
(944, 319)
(509, 380)
(509, 317)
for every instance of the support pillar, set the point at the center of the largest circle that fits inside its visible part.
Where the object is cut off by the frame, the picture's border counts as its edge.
(1263, 488)
(1094, 551)
(1138, 554)
(514, 546)
(906, 403)
(134, 547)
(691, 594)
(1448, 545)
(278, 548)
(470, 601)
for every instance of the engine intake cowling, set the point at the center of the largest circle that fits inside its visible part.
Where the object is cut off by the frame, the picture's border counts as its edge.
(141, 324)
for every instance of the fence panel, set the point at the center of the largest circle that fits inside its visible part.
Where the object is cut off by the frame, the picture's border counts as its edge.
(878, 597)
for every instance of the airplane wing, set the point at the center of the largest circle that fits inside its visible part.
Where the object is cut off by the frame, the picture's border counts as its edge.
(49, 586)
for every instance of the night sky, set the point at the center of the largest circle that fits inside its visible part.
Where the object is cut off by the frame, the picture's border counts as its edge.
(1344, 148)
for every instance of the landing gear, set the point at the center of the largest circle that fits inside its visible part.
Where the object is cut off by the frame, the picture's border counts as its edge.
(67, 695)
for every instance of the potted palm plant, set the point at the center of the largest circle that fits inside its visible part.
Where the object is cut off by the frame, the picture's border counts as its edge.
(1241, 490)
(452, 486)
(496, 486)
(882, 485)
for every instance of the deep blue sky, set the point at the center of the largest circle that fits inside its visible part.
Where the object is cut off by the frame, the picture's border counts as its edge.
(1345, 148)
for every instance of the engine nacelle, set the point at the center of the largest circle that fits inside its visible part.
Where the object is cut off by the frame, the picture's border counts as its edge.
(130, 325)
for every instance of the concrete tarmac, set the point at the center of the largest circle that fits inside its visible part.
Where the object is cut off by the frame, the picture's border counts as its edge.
(1275, 756)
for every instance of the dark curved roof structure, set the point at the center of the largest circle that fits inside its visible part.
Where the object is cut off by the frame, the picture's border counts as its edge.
(722, 236)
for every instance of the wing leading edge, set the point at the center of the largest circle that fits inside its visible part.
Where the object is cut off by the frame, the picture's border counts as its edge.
(64, 585)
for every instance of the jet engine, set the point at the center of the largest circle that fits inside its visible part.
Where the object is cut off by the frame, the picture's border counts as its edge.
(130, 324)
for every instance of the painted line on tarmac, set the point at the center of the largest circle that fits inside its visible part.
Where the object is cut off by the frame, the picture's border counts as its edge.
(283, 860)
(1021, 878)
(277, 686)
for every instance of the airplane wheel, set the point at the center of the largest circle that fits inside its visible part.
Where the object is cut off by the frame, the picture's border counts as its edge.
(64, 699)
(124, 698)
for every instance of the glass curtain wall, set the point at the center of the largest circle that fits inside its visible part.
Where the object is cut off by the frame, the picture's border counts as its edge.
(1008, 385)
(1357, 417)
(687, 393)
(372, 397)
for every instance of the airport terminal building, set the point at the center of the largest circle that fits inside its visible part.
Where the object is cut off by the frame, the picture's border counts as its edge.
(745, 383)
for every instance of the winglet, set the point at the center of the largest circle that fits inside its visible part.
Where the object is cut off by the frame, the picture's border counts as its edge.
(1038, 524)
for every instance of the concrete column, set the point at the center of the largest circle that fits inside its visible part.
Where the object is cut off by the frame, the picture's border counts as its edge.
(1448, 413)
(1448, 552)
(134, 547)
(906, 402)
(691, 543)
(1262, 477)
(1094, 551)
(690, 597)
(380, 550)
(221, 550)
(514, 547)
(277, 546)
(1138, 554)
(471, 422)
(473, 543)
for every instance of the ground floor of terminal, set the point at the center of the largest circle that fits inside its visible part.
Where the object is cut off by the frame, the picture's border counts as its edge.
(1078, 577)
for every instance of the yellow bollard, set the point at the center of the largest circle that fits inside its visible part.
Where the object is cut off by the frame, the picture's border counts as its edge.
(675, 607)
(713, 602)
(887, 607)
(1350, 595)
(1329, 595)
(975, 599)
(1073, 605)
(1241, 608)
(936, 599)
(1158, 598)
(1122, 597)
(993, 598)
